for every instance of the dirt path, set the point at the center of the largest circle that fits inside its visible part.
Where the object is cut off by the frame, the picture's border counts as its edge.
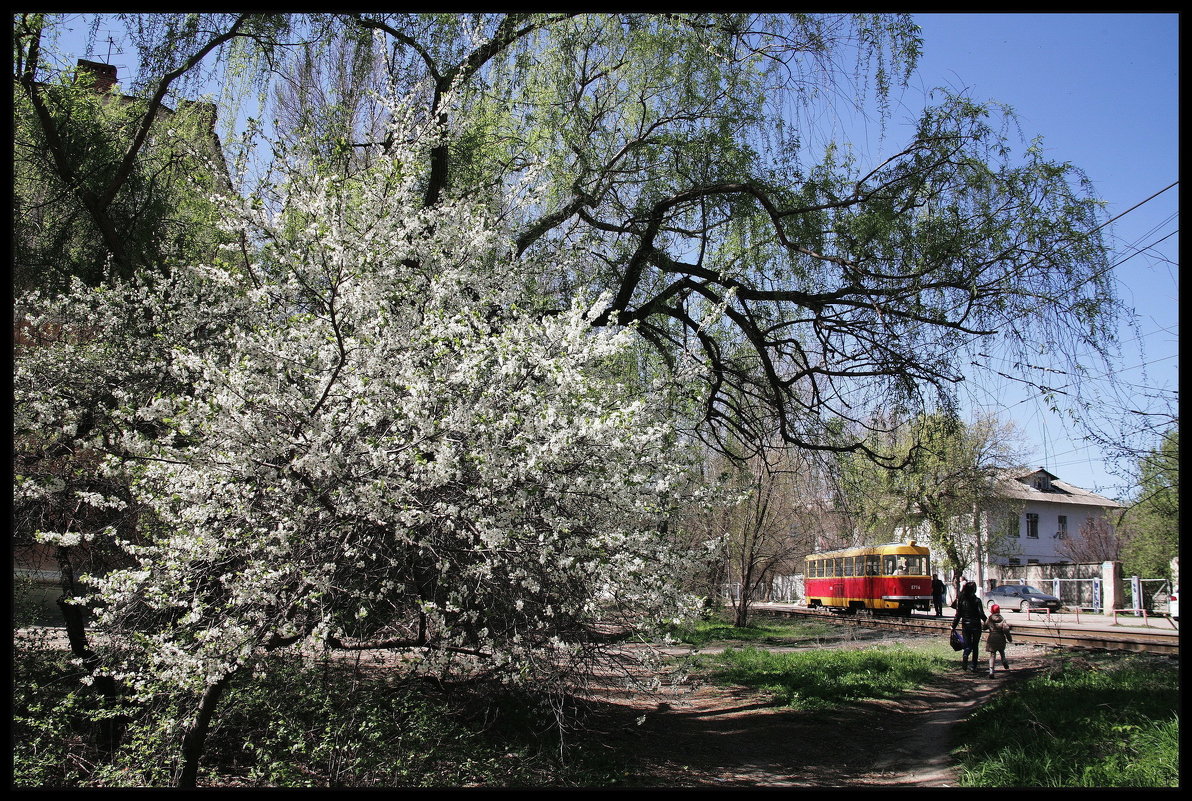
(731, 737)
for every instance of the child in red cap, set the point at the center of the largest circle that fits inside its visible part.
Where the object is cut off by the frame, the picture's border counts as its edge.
(999, 635)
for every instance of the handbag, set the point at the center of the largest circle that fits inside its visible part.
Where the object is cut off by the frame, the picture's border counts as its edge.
(957, 640)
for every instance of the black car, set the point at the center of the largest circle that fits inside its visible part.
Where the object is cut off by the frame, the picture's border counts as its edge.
(1021, 597)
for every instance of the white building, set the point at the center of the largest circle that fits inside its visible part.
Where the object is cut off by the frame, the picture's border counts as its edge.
(1041, 514)
(1032, 518)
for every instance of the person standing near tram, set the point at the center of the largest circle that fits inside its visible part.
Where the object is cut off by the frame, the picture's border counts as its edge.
(970, 616)
(938, 590)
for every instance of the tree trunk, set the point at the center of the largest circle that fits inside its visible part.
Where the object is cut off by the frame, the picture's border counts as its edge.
(109, 731)
(744, 597)
(195, 741)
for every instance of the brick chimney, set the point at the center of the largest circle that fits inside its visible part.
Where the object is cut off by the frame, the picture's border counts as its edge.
(103, 76)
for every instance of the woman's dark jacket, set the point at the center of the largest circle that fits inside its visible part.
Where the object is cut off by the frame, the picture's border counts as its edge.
(969, 612)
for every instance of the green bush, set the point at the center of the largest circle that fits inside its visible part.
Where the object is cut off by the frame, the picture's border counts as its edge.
(52, 717)
(299, 724)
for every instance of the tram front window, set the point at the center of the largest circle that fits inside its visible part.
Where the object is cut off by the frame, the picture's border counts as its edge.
(916, 565)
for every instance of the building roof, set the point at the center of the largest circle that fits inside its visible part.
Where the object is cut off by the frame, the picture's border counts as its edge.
(1020, 485)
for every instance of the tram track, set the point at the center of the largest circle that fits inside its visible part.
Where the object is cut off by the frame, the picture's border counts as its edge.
(1037, 632)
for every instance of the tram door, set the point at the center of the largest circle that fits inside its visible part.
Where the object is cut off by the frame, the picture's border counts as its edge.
(871, 583)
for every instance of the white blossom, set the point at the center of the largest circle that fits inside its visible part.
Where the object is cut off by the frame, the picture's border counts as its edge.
(381, 434)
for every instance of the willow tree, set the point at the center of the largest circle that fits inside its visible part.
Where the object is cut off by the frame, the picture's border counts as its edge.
(685, 157)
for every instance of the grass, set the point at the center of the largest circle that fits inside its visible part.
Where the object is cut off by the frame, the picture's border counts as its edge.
(1092, 721)
(822, 679)
(763, 631)
(813, 678)
(1104, 721)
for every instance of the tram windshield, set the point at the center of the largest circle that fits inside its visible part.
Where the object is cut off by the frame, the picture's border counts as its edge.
(905, 565)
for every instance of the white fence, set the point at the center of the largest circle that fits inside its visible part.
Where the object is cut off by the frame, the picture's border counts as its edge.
(784, 589)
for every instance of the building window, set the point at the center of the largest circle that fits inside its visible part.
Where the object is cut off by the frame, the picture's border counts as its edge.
(1032, 561)
(1012, 527)
(1061, 531)
(1032, 525)
(1014, 560)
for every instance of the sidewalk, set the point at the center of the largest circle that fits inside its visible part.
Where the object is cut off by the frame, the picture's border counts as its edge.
(1042, 619)
(1086, 620)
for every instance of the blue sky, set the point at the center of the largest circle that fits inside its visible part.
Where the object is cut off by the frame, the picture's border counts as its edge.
(1102, 92)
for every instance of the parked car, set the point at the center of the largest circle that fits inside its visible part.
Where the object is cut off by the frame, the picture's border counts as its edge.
(1021, 597)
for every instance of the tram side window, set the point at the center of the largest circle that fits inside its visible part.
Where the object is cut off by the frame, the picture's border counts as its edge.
(837, 568)
(848, 565)
(916, 565)
(888, 565)
(872, 565)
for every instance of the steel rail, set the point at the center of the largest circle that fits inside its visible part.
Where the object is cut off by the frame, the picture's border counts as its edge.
(1035, 632)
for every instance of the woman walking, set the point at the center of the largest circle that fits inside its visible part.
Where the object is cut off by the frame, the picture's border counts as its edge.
(970, 616)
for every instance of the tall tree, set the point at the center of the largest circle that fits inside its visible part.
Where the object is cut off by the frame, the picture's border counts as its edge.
(771, 526)
(944, 488)
(106, 184)
(680, 155)
(383, 449)
(1151, 525)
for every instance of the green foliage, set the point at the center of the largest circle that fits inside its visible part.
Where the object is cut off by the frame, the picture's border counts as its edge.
(1109, 722)
(943, 471)
(55, 718)
(49, 744)
(77, 212)
(822, 679)
(290, 727)
(1151, 526)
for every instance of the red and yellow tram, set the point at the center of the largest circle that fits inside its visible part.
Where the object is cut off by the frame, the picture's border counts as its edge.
(895, 577)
